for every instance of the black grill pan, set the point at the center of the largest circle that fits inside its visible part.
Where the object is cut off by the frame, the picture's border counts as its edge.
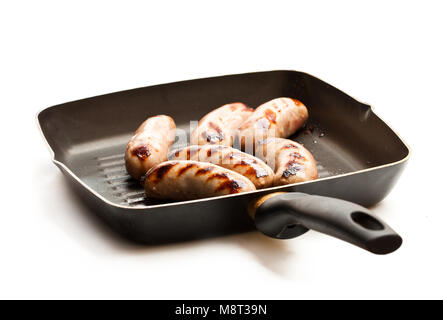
(359, 156)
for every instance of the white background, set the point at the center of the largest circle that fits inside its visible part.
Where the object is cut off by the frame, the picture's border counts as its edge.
(388, 54)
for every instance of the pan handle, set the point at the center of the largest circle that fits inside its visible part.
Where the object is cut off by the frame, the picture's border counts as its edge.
(288, 215)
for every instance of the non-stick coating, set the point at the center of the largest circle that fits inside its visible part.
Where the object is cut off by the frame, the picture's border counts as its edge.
(89, 137)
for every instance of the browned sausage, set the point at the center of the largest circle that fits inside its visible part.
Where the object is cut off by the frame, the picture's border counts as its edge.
(291, 161)
(187, 180)
(219, 126)
(278, 118)
(150, 145)
(247, 165)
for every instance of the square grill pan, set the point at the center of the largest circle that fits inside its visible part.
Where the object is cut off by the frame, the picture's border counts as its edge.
(359, 157)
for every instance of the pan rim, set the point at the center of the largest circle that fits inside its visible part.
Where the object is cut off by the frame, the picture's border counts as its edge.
(271, 189)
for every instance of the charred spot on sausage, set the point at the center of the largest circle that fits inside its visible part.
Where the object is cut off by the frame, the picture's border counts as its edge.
(292, 169)
(142, 152)
(234, 186)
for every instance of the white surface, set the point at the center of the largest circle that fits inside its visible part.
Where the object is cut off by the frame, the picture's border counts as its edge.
(388, 54)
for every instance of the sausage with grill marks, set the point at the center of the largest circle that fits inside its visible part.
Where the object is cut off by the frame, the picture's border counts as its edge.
(291, 161)
(220, 125)
(278, 118)
(247, 165)
(150, 145)
(188, 180)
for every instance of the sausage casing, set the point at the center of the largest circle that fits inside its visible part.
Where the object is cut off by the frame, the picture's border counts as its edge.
(291, 161)
(188, 180)
(220, 125)
(149, 145)
(278, 118)
(247, 165)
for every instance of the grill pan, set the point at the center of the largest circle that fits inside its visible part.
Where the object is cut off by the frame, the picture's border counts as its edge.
(359, 160)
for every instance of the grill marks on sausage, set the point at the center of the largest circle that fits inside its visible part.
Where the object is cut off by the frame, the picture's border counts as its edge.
(218, 135)
(252, 171)
(233, 186)
(265, 122)
(212, 151)
(293, 168)
(237, 155)
(161, 171)
(294, 165)
(226, 182)
(218, 181)
(245, 162)
(213, 137)
(218, 175)
(297, 156)
(271, 116)
(254, 168)
(142, 152)
(203, 171)
(259, 172)
(185, 168)
(215, 127)
(190, 152)
(237, 161)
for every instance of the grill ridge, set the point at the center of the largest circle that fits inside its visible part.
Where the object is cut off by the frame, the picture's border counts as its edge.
(126, 190)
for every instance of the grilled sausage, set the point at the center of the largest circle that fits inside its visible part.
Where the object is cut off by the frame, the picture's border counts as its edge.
(150, 144)
(219, 126)
(227, 157)
(278, 118)
(291, 161)
(187, 180)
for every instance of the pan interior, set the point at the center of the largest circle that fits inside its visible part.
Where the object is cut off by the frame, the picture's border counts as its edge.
(89, 136)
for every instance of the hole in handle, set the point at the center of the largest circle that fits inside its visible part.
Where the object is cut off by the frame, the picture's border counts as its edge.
(366, 221)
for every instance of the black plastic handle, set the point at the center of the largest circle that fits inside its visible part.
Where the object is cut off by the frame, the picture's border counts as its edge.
(289, 215)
